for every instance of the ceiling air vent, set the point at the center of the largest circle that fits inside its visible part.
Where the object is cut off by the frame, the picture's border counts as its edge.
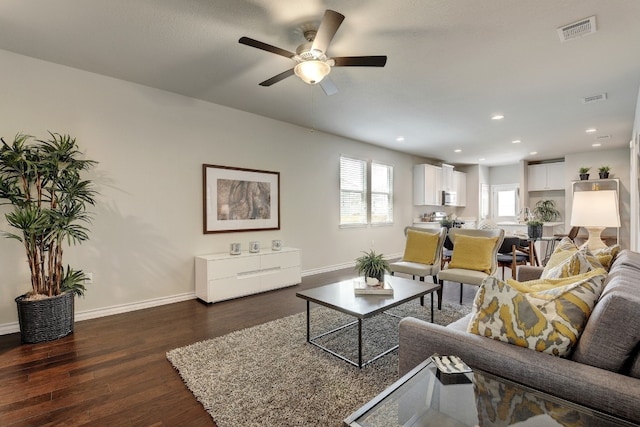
(577, 29)
(595, 98)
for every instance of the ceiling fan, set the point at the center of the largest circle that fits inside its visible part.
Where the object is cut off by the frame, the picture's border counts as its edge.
(312, 62)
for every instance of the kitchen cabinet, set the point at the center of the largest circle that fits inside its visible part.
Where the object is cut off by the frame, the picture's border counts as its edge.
(460, 187)
(546, 176)
(427, 185)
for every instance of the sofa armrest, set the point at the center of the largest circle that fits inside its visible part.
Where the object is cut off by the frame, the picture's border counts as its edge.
(586, 385)
(529, 272)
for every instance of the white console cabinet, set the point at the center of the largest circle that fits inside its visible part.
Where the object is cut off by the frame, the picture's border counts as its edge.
(223, 276)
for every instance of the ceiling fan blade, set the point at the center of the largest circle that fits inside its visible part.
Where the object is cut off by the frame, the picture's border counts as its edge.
(360, 61)
(328, 86)
(260, 45)
(277, 78)
(328, 27)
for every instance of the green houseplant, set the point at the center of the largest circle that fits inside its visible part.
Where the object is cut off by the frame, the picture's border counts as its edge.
(584, 173)
(372, 265)
(546, 210)
(603, 171)
(41, 181)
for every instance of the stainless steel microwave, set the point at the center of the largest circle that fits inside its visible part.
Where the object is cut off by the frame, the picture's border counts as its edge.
(449, 198)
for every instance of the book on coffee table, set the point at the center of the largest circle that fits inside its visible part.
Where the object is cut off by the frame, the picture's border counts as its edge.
(360, 287)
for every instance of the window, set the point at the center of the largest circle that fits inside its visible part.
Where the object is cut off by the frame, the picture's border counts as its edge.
(505, 202)
(365, 198)
(381, 194)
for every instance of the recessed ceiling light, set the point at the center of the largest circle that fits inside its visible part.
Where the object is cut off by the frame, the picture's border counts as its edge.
(516, 141)
(597, 144)
(400, 139)
(497, 117)
(457, 150)
(481, 159)
(591, 130)
(533, 153)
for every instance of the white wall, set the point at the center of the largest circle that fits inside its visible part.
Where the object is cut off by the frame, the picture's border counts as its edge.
(634, 182)
(150, 146)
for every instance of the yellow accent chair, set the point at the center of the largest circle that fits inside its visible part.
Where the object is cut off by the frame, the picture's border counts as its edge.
(474, 257)
(422, 253)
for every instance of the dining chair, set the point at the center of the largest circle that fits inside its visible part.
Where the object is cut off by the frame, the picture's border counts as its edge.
(422, 253)
(510, 256)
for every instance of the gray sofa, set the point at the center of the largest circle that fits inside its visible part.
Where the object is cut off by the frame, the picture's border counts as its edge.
(602, 372)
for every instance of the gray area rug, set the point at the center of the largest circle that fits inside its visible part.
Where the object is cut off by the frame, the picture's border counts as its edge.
(269, 376)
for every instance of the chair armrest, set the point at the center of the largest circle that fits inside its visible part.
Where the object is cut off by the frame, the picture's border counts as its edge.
(529, 272)
(586, 385)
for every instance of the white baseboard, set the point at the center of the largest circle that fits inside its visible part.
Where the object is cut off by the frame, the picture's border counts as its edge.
(335, 267)
(327, 269)
(10, 328)
(13, 327)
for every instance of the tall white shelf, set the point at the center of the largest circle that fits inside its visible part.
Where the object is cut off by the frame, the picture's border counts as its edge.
(599, 184)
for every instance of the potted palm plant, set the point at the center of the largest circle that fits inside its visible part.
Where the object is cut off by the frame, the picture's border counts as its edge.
(41, 181)
(603, 171)
(372, 265)
(546, 210)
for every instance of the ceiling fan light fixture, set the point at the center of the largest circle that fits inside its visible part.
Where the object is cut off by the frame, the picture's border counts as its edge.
(312, 72)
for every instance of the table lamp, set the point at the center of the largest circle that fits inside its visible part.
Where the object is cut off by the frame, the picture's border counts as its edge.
(595, 211)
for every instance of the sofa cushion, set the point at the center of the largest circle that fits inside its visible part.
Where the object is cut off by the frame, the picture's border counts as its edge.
(567, 260)
(627, 258)
(549, 320)
(634, 369)
(420, 247)
(612, 334)
(473, 253)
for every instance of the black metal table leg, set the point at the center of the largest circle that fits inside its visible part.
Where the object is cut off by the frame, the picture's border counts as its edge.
(431, 307)
(359, 343)
(309, 322)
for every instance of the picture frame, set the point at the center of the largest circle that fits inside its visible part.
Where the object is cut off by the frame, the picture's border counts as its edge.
(239, 199)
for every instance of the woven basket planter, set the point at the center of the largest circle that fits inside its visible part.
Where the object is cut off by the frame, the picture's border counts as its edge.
(47, 319)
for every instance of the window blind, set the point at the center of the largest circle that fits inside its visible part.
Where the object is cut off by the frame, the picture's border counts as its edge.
(353, 190)
(381, 193)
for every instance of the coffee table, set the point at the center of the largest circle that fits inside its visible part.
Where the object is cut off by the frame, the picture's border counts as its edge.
(423, 397)
(341, 297)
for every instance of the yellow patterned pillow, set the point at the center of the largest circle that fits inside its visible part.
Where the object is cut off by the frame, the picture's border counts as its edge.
(607, 255)
(567, 260)
(420, 247)
(473, 253)
(563, 250)
(549, 321)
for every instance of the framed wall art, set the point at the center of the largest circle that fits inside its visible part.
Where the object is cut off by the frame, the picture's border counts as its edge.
(237, 199)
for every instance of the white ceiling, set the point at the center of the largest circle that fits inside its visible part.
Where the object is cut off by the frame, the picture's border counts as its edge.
(451, 65)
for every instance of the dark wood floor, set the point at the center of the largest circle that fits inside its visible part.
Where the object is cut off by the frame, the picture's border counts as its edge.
(112, 371)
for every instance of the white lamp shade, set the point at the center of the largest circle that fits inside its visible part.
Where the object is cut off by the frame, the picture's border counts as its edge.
(595, 209)
(312, 71)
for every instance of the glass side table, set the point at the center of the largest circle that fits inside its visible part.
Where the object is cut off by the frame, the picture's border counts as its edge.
(424, 398)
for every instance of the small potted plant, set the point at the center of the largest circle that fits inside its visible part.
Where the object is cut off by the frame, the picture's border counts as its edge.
(447, 223)
(584, 173)
(372, 265)
(546, 210)
(534, 228)
(603, 171)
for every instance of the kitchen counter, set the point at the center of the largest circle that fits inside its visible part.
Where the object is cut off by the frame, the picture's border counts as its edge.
(524, 224)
